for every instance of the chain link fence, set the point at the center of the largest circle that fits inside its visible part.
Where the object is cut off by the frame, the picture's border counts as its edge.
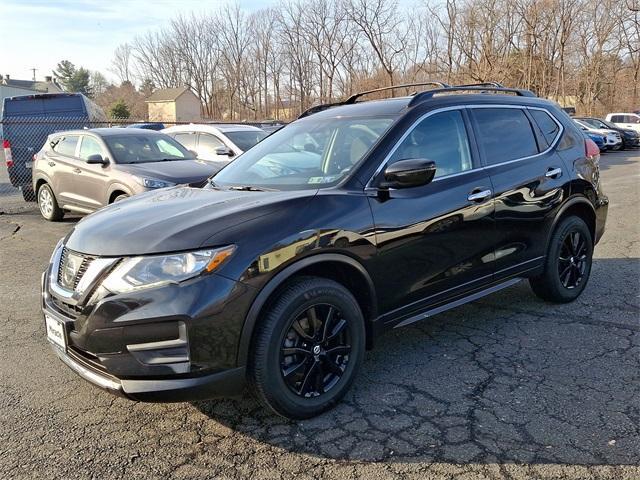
(23, 137)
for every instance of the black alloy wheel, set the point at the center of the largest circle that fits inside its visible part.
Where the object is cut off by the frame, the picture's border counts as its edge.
(315, 351)
(572, 261)
(567, 265)
(307, 347)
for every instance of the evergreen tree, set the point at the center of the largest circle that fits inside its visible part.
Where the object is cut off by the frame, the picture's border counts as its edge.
(120, 110)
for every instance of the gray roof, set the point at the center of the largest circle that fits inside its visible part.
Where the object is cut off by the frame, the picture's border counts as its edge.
(36, 86)
(167, 94)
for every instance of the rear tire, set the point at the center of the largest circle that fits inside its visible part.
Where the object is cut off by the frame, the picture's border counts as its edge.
(568, 262)
(48, 204)
(307, 348)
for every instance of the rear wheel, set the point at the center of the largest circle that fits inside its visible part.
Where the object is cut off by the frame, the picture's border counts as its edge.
(48, 204)
(568, 262)
(308, 348)
(120, 197)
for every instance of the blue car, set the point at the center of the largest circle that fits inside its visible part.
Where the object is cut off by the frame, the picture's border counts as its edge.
(598, 139)
(147, 126)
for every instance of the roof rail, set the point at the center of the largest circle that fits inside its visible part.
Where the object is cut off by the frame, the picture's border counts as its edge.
(352, 99)
(481, 84)
(474, 88)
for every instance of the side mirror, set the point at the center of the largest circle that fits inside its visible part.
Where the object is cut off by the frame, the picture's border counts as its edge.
(413, 172)
(96, 159)
(224, 151)
(193, 152)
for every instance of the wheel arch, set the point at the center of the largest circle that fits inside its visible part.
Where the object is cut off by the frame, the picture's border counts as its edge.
(341, 268)
(115, 190)
(579, 206)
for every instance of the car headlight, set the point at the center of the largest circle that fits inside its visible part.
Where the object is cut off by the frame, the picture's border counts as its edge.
(153, 183)
(137, 273)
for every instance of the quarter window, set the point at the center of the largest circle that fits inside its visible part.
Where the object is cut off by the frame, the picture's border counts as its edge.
(547, 126)
(441, 138)
(67, 145)
(88, 147)
(504, 134)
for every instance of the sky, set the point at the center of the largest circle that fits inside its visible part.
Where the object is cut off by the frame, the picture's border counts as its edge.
(40, 33)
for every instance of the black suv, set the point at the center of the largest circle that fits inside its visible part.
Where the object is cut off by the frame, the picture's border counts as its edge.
(357, 218)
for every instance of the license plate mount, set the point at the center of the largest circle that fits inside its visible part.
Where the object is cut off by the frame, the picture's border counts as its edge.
(56, 332)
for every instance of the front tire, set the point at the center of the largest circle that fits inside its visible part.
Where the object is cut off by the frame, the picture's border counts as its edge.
(48, 204)
(568, 262)
(307, 348)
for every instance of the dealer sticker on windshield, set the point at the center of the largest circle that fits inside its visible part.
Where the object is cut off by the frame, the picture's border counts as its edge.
(327, 179)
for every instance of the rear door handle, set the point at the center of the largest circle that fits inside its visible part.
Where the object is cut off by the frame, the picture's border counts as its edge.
(479, 195)
(77, 170)
(553, 173)
(52, 164)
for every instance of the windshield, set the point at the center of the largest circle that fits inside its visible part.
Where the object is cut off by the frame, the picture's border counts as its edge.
(246, 139)
(307, 154)
(145, 148)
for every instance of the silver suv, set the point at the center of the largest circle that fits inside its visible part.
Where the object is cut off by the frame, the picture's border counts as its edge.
(84, 170)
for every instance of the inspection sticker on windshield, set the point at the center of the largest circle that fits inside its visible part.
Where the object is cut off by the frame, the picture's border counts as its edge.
(327, 179)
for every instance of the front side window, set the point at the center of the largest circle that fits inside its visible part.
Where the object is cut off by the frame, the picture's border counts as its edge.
(66, 145)
(617, 118)
(308, 154)
(89, 146)
(208, 143)
(504, 134)
(442, 138)
(145, 148)
(188, 140)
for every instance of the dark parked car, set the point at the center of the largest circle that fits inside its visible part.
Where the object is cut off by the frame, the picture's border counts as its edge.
(27, 121)
(630, 138)
(598, 140)
(84, 170)
(157, 126)
(294, 260)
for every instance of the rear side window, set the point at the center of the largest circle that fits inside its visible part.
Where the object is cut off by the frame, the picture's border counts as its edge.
(188, 140)
(504, 134)
(548, 127)
(67, 145)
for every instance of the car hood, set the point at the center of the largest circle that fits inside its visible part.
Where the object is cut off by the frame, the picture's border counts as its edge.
(173, 219)
(179, 171)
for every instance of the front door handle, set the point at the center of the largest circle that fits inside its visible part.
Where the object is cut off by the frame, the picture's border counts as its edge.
(52, 164)
(77, 170)
(479, 195)
(553, 173)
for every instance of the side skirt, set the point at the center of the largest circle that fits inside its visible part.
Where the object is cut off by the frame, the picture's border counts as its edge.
(456, 303)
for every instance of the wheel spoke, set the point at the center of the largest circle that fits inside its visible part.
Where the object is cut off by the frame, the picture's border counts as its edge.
(319, 386)
(575, 240)
(327, 323)
(308, 379)
(337, 329)
(341, 350)
(564, 276)
(333, 367)
(314, 321)
(295, 351)
(293, 369)
(300, 330)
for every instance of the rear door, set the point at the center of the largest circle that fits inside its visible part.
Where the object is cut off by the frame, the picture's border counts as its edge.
(529, 181)
(91, 180)
(63, 165)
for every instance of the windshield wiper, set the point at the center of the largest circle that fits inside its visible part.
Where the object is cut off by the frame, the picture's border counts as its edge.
(250, 188)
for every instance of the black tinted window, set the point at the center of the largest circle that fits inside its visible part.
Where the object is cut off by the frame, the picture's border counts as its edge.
(548, 127)
(67, 145)
(504, 134)
(442, 138)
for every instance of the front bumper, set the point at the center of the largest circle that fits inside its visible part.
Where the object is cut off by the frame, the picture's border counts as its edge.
(225, 383)
(172, 343)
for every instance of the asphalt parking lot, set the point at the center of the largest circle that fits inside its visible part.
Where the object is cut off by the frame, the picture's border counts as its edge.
(505, 388)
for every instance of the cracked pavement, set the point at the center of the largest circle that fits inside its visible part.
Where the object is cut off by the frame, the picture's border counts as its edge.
(507, 387)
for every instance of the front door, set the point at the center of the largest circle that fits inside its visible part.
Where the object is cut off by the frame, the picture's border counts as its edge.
(92, 180)
(435, 241)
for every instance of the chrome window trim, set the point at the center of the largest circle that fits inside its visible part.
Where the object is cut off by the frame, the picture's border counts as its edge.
(551, 146)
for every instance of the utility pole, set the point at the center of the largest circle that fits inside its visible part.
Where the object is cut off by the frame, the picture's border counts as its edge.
(34, 73)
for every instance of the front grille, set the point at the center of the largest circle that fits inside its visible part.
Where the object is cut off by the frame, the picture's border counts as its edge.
(71, 311)
(78, 274)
